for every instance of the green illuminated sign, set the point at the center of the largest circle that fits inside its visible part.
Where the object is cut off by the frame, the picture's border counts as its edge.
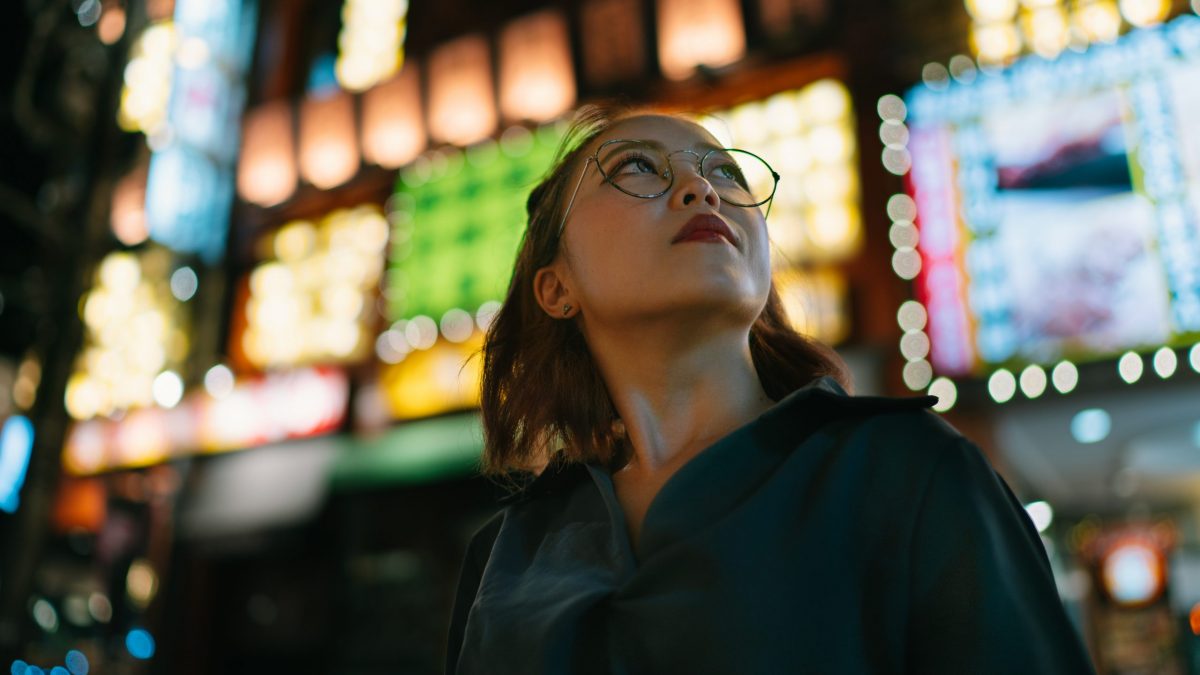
(458, 217)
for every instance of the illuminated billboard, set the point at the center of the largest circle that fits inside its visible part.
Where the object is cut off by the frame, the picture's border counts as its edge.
(1057, 205)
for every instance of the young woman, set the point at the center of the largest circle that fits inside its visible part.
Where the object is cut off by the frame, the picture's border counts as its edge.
(709, 499)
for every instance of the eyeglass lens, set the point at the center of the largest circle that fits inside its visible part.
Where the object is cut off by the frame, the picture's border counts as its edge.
(643, 170)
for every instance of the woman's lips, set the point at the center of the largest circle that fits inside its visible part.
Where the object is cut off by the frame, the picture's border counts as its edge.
(705, 227)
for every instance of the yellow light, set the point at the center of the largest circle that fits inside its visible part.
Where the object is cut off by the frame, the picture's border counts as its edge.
(749, 124)
(814, 301)
(995, 43)
(785, 114)
(695, 33)
(307, 306)
(439, 379)
(1099, 21)
(295, 241)
(831, 143)
(1142, 13)
(267, 165)
(328, 149)
(119, 272)
(342, 301)
(270, 279)
(461, 108)
(84, 398)
(147, 87)
(825, 102)
(393, 130)
(987, 11)
(370, 42)
(536, 81)
(831, 183)
(1047, 29)
(141, 582)
(834, 227)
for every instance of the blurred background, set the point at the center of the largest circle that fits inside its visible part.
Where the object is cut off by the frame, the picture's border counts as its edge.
(247, 248)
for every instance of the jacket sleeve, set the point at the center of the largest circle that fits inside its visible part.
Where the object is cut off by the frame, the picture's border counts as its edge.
(983, 594)
(478, 552)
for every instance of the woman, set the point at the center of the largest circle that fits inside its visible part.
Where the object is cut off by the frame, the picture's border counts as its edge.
(710, 499)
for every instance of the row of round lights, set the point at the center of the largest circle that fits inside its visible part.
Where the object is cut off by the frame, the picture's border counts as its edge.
(1001, 29)
(421, 332)
(1003, 383)
(912, 316)
(906, 260)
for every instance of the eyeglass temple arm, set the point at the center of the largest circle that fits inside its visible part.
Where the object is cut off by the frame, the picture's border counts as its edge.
(563, 225)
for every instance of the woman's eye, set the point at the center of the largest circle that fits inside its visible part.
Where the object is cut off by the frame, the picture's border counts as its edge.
(729, 172)
(636, 164)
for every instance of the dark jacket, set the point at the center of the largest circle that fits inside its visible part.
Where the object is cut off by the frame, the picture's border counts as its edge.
(833, 534)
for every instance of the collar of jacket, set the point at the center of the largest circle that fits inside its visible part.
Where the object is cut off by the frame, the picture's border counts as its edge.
(802, 412)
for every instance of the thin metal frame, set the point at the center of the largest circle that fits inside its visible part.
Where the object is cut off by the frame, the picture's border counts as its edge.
(595, 156)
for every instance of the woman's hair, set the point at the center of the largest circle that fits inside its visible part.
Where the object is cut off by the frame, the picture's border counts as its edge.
(542, 394)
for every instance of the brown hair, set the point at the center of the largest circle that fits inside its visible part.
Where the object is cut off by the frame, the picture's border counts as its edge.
(541, 394)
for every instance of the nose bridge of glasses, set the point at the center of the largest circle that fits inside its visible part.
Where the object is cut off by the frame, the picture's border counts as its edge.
(697, 156)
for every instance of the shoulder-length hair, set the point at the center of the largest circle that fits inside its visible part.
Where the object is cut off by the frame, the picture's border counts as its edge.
(542, 395)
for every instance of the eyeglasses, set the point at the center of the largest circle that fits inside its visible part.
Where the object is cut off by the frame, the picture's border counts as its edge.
(642, 169)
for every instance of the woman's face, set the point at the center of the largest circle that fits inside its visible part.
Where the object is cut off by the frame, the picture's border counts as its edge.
(626, 258)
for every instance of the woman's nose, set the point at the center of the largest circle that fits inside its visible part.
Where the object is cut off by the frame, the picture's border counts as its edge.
(690, 186)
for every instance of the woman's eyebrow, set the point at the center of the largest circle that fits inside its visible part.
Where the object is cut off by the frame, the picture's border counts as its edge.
(621, 143)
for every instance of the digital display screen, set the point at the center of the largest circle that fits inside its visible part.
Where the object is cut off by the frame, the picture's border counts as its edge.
(1058, 204)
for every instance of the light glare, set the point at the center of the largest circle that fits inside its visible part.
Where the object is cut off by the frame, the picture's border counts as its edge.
(1041, 514)
(168, 389)
(1130, 367)
(1002, 385)
(1091, 425)
(1165, 362)
(945, 391)
(1033, 381)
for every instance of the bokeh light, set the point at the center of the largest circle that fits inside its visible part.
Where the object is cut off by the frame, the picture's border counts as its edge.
(917, 374)
(370, 42)
(1130, 367)
(140, 644)
(1041, 513)
(1165, 362)
(1065, 377)
(1033, 381)
(1002, 385)
(946, 392)
(1091, 425)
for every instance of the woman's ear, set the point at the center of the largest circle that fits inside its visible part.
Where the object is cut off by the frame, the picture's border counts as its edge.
(552, 292)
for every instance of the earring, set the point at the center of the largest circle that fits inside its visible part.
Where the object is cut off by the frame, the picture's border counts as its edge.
(566, 310)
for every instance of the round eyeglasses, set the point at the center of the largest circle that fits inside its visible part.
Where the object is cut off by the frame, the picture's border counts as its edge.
(643, 169)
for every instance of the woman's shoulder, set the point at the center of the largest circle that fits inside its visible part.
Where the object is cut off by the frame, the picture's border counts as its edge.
(891, 435)
(878, 419)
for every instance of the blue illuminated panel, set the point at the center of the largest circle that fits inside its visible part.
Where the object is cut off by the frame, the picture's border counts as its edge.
(1058, 204)
(189, 191)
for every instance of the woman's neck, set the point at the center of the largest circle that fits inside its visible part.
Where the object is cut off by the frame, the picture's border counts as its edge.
(677, 395)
